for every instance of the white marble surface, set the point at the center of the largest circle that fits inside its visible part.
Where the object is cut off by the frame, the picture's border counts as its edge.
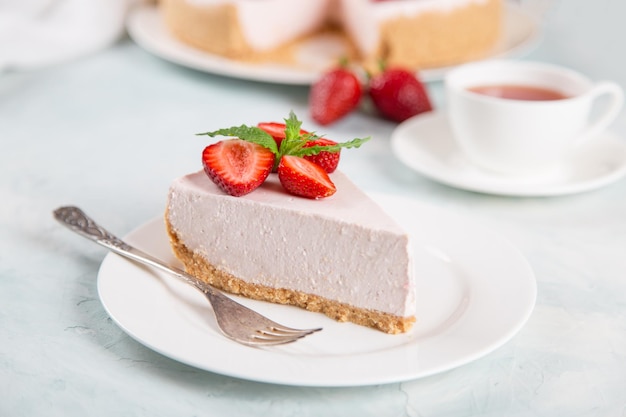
(108, 132)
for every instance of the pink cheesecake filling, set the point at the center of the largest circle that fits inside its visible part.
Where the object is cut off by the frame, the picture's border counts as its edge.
(344, 248)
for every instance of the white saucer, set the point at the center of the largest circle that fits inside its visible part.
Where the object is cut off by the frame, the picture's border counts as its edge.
(425, 144)
(145, 26)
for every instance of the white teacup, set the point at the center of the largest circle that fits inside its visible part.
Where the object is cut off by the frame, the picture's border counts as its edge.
(525, 136)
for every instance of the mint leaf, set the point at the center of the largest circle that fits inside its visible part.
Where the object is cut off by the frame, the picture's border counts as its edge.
(248, 133)
(314, 150)
(293, 126)
(293, 139)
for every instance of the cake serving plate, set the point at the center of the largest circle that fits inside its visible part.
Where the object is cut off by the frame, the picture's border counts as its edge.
(145, 26)
(475, 292)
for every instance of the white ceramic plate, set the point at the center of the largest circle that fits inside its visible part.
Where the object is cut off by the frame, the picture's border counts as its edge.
(475, 291)
(145, 26)
(425, 144)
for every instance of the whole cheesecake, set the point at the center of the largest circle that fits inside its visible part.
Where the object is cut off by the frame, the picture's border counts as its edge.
(342, 255)
(410, 33)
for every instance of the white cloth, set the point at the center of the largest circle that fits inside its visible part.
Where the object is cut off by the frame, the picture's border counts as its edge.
(40, 33)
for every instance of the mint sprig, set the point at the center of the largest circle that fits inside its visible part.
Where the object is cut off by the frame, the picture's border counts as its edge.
(248, 133)
(293, 127)
(314, 150)
(293, 143)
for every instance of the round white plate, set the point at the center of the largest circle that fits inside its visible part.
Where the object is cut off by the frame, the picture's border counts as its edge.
(146, 27)
(425, 144)
(475, 291)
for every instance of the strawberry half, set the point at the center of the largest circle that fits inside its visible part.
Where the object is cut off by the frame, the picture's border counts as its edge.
(334, 95)
(304, 178)
(327, 160)
(398, 94)
(237, 166)
(276, 130)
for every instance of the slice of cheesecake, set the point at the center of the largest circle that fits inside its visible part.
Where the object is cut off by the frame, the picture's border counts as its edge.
(342, 256)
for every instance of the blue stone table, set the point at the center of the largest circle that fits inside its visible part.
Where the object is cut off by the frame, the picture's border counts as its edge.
(108, 132)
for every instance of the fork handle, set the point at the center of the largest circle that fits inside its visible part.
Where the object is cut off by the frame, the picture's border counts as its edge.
(77, 221)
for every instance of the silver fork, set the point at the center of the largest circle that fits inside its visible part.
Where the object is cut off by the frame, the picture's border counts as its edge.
(236, 321)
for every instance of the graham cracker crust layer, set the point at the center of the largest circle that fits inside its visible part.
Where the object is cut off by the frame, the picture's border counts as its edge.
(216, 30)
(436, 39)
(200, 268)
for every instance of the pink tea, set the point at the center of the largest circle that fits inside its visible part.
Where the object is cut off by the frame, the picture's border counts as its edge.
(519, 92)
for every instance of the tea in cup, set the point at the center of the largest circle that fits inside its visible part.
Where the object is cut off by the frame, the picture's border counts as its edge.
(524, 118)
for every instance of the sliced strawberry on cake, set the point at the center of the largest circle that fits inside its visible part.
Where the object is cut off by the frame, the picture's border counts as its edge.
(326, 159)
(236, 166)
(277, 130)
(304, 178)
(279, 140)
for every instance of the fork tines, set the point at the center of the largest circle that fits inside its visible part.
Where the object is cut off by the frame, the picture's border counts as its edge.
(280, 335)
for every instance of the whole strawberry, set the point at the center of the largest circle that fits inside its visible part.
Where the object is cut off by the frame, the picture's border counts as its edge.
(334, 95)
(398, 94)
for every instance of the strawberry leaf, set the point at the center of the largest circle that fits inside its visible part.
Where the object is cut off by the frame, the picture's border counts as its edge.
(248, 133)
